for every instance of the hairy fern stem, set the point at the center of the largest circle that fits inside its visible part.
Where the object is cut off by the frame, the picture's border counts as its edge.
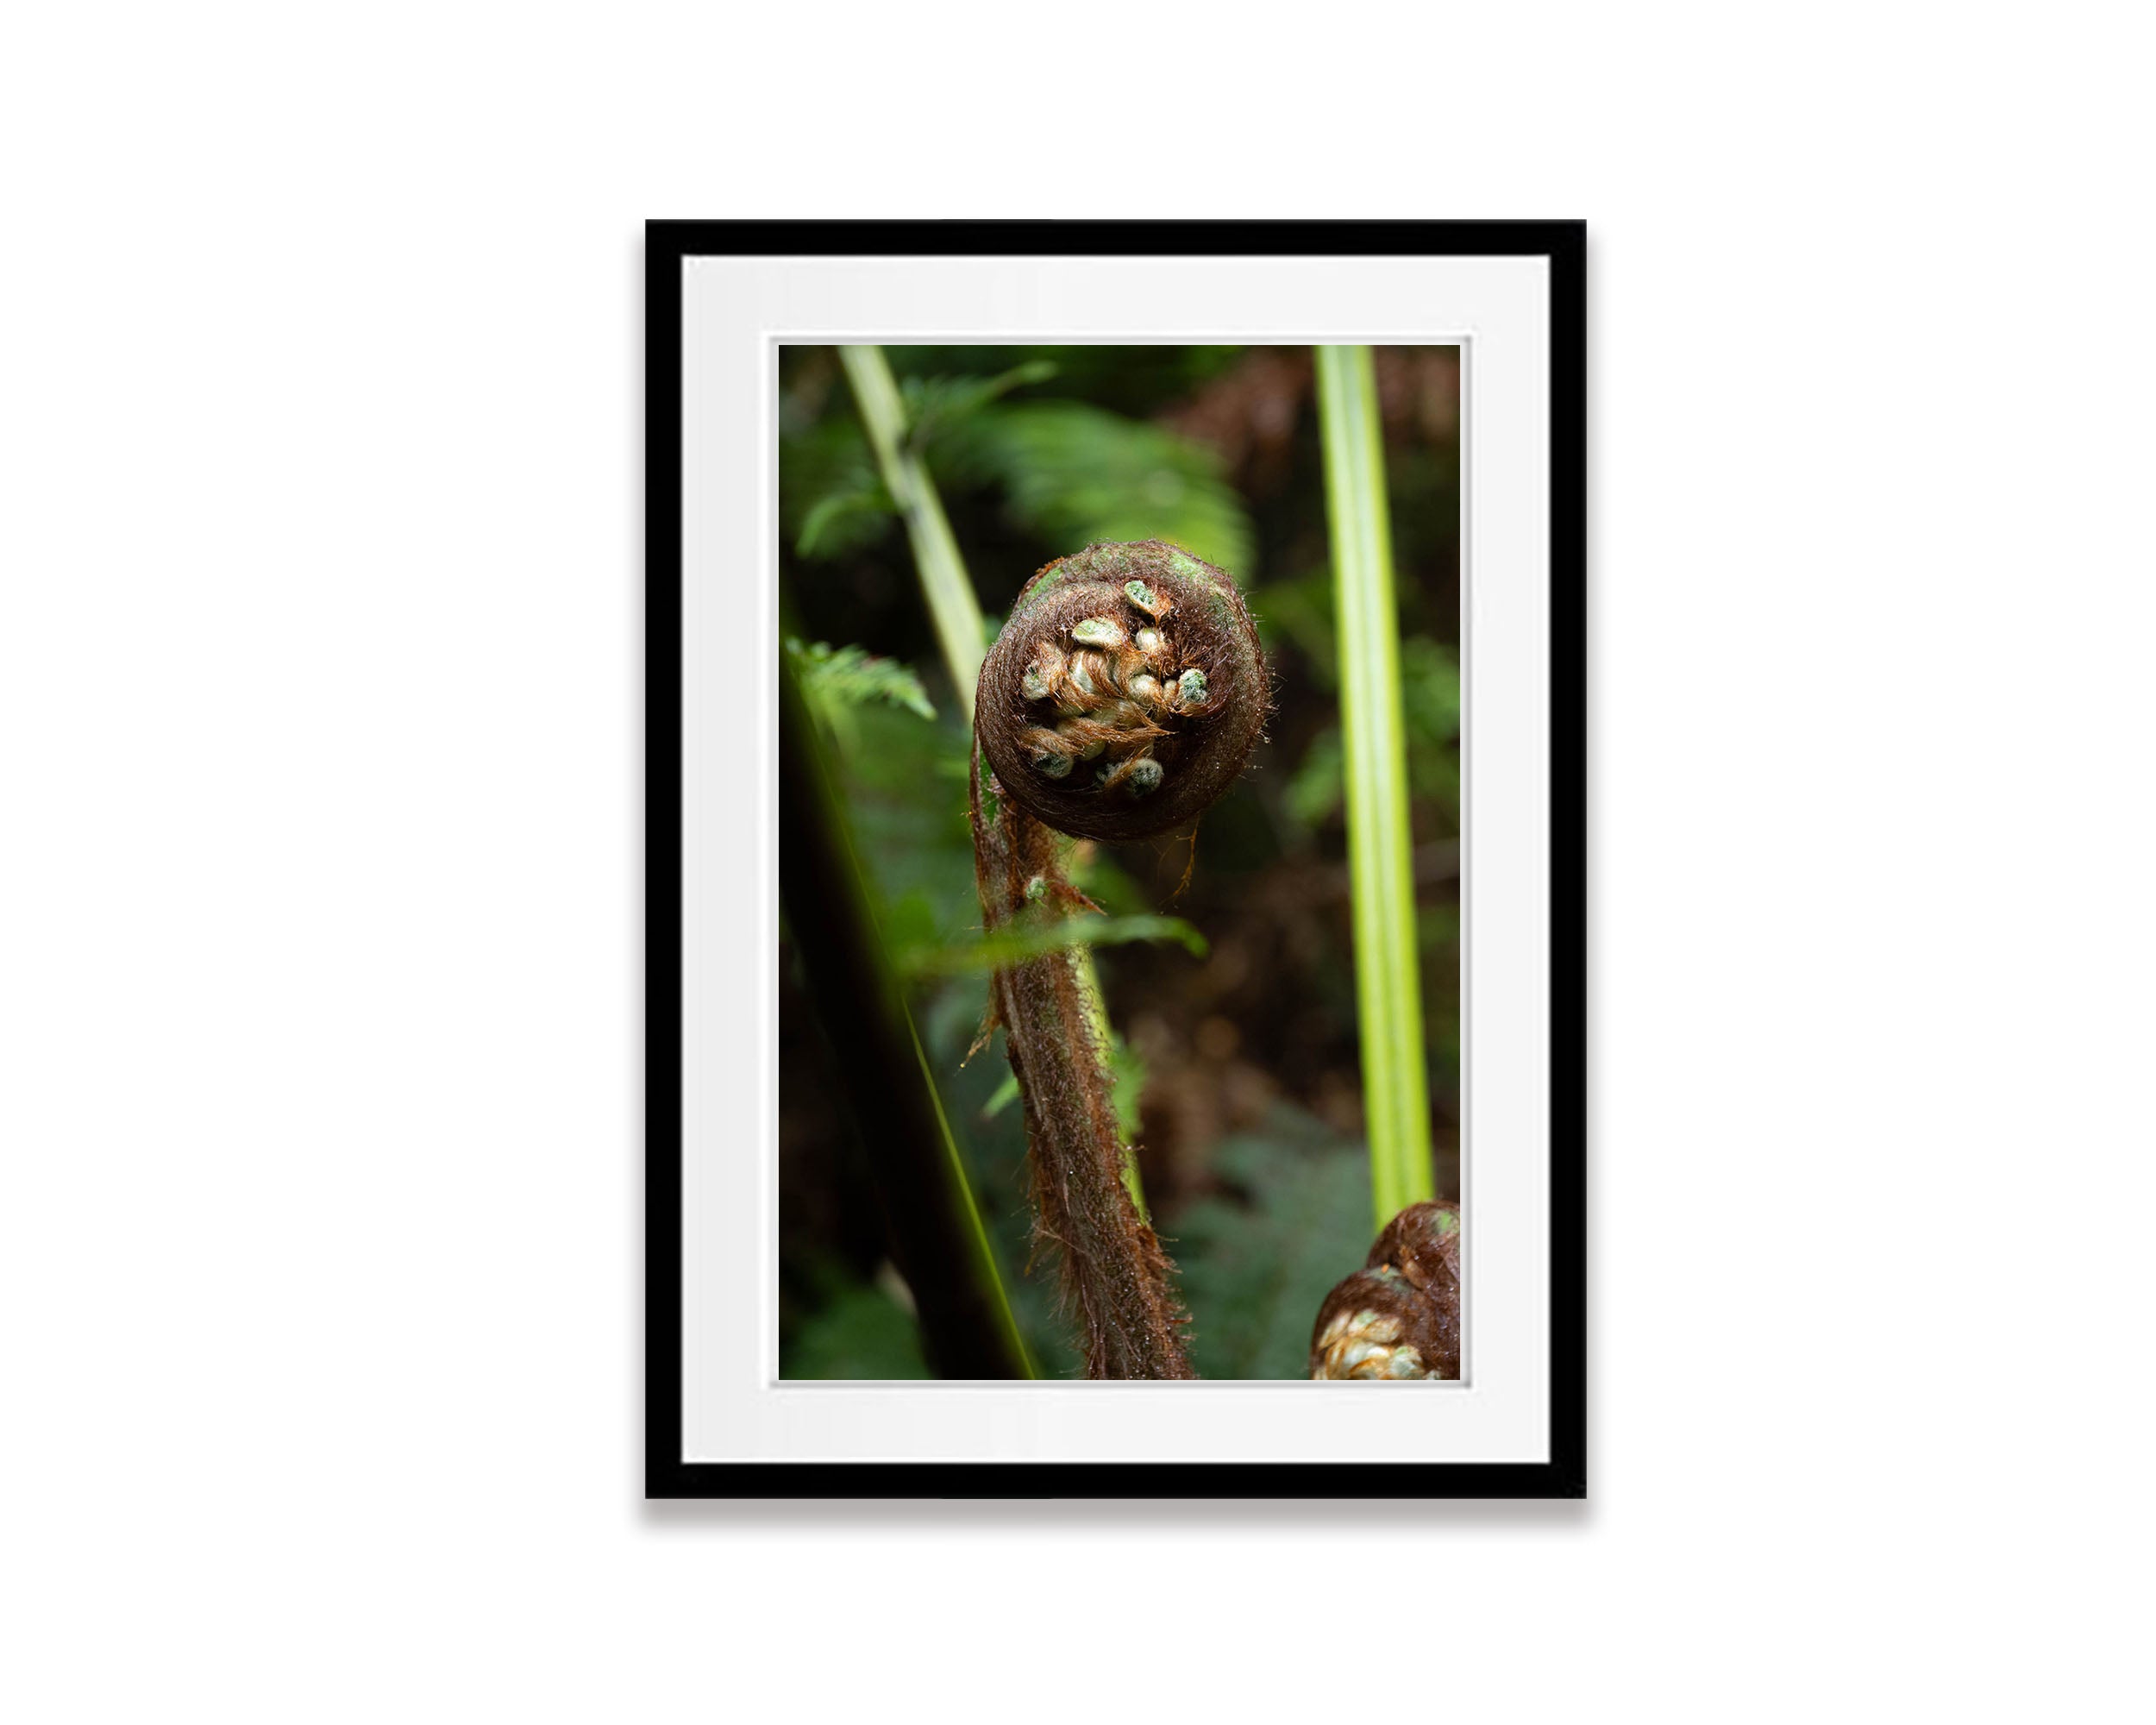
(1116, 1275)
(1121, 700)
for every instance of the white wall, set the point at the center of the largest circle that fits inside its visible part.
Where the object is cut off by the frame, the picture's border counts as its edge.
(318, 978)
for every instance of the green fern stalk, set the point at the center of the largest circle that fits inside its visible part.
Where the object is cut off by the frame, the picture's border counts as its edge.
(951, 604)
(961, 630)
(936, 1234)
(1389, 989)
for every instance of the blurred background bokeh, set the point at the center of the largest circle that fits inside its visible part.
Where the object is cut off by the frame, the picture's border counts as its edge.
(1237, 1071)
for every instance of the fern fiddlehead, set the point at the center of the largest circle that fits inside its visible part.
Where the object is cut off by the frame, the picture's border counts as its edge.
(1120, 701)
(1397, 1316)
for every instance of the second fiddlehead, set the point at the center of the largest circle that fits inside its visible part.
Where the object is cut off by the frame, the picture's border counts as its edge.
(1397, 1316)
(1121, 700)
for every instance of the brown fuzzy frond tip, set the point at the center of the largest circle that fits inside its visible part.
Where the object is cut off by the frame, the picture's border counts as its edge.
(1125, 692)
(1397, 1316)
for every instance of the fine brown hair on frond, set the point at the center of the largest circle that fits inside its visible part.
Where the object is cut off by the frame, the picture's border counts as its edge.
(1112, 1271)
(1122, 698)
(1149, 653)
(1397, 1316)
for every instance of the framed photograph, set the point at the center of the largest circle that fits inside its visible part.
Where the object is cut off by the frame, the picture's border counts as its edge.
(1116, 816)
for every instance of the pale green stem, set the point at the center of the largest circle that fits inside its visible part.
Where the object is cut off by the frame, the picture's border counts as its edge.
(1388, 980)
(960, 629)
(951, 604)
(927, 1198)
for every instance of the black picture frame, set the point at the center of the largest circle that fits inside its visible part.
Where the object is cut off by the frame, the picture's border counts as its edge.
(667, 1473)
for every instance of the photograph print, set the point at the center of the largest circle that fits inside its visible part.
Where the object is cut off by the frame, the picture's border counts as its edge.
(1119, 862)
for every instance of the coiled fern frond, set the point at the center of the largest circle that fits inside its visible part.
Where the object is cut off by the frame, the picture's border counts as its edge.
(1120, 701)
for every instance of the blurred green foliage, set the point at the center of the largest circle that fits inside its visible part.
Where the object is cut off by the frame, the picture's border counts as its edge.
(836, 679)
(1258, 1259)
(1429, 689)
(1025, 939)
(861, 1330)
(1234, 1053)
(1074, 473)
(1068, 471)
